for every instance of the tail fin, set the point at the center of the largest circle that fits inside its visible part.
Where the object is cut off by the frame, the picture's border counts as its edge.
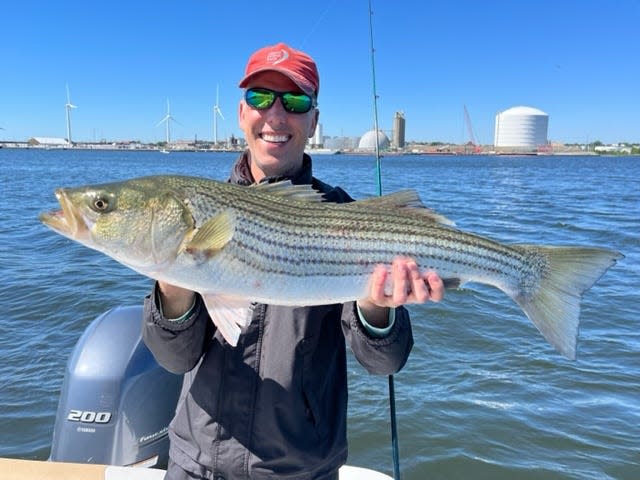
(555, 308)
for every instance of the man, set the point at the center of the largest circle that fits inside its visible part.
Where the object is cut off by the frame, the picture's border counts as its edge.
(275, 405)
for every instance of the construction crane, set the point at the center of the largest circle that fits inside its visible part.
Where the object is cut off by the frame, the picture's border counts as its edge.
(472, 138)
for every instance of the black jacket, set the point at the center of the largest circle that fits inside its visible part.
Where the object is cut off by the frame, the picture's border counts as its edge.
(275, 405)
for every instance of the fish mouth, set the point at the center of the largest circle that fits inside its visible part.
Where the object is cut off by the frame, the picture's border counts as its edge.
(67, 221)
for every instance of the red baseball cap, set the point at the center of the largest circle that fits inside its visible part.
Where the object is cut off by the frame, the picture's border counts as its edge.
(296, 65)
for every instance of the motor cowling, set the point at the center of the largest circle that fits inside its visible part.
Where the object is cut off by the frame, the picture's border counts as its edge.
(116, 402)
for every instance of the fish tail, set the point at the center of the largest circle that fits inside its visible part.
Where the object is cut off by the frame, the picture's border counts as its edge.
(554, 308)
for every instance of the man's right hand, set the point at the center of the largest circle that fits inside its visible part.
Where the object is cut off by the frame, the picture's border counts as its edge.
(176, 301)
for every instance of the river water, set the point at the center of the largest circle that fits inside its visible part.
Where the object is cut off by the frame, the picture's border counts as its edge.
(482, 396)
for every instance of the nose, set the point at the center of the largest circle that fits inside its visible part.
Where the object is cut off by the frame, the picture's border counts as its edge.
(277, 111)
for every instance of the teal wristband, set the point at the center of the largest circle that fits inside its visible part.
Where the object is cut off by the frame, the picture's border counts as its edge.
(375, 331)
(182, 317)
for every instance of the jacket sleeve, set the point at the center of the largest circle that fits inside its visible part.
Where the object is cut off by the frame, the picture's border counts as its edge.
(379, 356)
(177, 346)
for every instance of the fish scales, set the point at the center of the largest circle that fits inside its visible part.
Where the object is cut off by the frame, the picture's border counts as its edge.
(293, 229)
(279, 244)
(378, 242)
(310, 218)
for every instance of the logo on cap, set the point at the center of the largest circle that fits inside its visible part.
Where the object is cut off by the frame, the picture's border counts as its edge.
(277, 56)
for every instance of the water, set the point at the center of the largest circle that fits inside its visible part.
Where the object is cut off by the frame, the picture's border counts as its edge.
(483, 395)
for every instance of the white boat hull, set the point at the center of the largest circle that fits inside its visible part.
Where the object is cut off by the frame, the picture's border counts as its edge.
(14, 469)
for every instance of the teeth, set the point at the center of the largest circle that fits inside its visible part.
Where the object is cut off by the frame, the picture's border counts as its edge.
(274, 138)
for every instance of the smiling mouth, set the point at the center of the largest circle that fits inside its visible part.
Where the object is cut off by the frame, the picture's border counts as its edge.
(274, 138)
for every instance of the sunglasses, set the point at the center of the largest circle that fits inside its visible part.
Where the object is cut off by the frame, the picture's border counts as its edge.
(292, 102)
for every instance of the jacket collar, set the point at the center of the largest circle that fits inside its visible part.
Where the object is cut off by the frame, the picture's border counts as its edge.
(241, 172)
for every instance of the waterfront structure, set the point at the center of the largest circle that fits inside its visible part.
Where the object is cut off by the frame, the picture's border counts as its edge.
(68, 107)
(399, 123)
(48, 142)
(166, 120)
(342, 143)
(368, 141)
(216, 112)
(521, 129)
(317, 141)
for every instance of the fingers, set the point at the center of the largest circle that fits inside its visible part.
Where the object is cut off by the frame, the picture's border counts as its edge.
(400, 282)
(377, 294)
(408, 285)
(436, 286)
(419, 290)
(403, 283)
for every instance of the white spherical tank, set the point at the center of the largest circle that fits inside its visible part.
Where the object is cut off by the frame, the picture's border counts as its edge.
(368, 141)
(521, 128)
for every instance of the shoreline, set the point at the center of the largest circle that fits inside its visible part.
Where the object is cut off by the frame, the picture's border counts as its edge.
(412, 152)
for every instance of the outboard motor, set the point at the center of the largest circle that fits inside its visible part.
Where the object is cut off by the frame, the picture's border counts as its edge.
(116, 401)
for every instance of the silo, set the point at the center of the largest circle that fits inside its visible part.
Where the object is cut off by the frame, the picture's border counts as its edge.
(368, 141)
(521, 129)
(317, 141)
(398, 130)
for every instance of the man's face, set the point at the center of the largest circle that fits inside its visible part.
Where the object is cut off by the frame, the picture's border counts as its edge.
(275, 137)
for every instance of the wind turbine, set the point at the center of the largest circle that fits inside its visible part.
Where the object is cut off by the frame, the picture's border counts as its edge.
(68, 106)
(216, 112)
(166, 120)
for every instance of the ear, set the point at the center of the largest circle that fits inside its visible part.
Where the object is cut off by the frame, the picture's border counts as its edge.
(314, 122)
(241, 111)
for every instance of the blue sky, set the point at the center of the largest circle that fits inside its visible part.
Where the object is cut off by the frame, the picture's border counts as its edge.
(579, 61)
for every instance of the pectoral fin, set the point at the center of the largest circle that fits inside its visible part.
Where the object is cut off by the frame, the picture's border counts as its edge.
(213, 235)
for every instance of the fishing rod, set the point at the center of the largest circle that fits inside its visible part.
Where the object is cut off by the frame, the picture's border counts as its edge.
(392, 394)
(375, 101)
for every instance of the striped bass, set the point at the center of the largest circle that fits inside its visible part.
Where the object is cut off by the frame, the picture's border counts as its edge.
(281, 244)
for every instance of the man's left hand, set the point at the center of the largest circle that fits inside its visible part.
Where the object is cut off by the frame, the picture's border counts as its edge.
(401, 284)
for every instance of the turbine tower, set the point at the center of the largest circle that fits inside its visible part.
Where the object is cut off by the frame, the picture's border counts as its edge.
(216, 112)
(68, 106)
(167, 119)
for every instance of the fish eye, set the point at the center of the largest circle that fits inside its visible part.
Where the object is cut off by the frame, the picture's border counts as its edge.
(101, 204)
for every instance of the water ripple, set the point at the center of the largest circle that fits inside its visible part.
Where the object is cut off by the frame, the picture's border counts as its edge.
(482, 396)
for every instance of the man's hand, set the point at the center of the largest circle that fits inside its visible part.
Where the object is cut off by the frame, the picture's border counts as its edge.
(175, 300)
(401, 285)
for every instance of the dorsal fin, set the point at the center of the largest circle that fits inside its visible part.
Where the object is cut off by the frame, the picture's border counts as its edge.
(400, 199)
(404, 199)
(286, 189)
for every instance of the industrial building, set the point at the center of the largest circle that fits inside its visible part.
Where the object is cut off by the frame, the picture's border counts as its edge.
(399, 125)
(521, 130)
(317, 141)
(368, 141)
